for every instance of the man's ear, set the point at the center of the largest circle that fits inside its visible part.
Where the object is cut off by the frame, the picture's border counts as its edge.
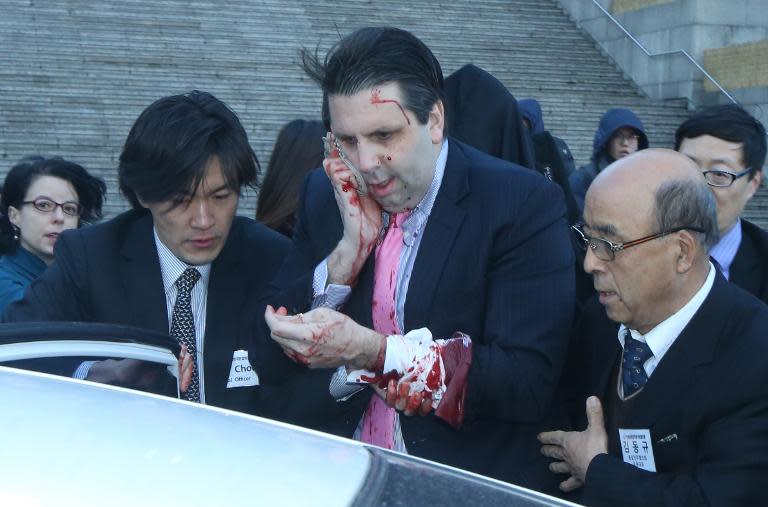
(436, 122)
(689, 249)
(754, 183)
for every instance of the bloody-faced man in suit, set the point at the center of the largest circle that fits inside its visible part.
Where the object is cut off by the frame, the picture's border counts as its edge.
(179, 262)
(729, 146)
(671, 359)
(441, 278)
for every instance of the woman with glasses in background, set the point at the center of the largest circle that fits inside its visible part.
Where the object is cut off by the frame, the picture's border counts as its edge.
(42, 197)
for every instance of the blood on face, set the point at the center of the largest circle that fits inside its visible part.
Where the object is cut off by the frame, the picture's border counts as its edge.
(376, 99)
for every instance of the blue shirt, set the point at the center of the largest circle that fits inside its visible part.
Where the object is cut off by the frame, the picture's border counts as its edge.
(17, 270)
(725, 250)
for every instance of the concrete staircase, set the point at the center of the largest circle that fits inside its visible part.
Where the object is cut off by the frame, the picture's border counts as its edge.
(75, 74)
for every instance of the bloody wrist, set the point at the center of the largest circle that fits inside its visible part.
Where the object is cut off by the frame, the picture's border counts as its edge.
(378, 365)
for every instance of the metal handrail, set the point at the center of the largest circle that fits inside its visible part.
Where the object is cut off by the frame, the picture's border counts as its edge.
(664, 53)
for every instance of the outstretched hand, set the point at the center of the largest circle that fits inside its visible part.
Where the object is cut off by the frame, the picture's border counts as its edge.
(324, 338)
(574, 450)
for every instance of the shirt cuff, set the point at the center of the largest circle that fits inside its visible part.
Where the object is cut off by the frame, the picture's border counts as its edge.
(332, 296)
(82, 371)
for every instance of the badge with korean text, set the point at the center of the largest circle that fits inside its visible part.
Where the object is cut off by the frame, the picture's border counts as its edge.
(241, 373)
(636, 448)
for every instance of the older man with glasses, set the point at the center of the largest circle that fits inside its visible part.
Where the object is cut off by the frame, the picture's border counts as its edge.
(671, 362)
(729, 146)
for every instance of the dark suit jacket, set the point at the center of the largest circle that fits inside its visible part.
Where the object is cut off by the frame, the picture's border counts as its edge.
(749, 269)
(710, 390)
(495, 262)
(111, 273)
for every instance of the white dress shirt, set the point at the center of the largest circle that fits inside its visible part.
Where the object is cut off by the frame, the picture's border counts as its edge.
(171, 268)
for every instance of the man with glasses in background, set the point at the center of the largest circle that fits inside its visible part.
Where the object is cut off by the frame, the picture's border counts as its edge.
(671, 362)
(729, 146)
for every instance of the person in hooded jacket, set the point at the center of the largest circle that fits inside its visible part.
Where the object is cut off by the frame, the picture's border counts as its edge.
(553, 157)
(620, 133)
(533, 119)
(484, 114)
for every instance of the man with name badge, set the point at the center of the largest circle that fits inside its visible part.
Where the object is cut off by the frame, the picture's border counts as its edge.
(179, 262)
(671, 361)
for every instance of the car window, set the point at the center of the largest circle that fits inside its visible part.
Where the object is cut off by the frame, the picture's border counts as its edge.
(140, 359)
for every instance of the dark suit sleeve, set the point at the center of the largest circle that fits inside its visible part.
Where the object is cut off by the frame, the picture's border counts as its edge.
(60, 293)
(292, 287)
(529, 309)
(731, 469)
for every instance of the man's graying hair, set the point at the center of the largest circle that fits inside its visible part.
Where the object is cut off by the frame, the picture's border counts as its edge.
(686, 203)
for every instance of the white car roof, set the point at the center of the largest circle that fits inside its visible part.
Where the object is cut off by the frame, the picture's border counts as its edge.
(69, 442)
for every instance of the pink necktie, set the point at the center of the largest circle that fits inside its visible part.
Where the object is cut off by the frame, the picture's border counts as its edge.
(379, 419)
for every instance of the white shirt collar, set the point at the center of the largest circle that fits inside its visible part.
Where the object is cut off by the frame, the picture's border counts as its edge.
(661, 337)
(172, 267)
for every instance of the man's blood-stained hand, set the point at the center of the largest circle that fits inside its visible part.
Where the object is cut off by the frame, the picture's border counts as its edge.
(360, 216)
(420, 375)
(399, 397)
(325, 338)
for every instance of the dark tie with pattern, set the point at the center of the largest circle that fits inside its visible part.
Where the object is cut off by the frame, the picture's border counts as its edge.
(183, 326)
(636, 353)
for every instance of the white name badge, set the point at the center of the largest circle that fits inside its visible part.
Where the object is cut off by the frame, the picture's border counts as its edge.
(241, 374)
(636, 448)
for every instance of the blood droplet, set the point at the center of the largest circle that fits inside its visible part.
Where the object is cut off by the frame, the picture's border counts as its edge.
(346, 186)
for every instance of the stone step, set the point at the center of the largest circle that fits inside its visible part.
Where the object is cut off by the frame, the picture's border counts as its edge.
(77, 84)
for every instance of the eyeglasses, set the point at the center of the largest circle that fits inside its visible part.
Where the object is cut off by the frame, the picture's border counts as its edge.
(622, 137)
(606, 251)
(46, 205)
(718, 178)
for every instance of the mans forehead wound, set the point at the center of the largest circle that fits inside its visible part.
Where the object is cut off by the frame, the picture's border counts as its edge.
(376, 99)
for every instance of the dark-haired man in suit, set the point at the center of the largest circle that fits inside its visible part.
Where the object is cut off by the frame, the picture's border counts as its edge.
(179, 261)
(418, 236)
(671, 363)
(729, 146)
